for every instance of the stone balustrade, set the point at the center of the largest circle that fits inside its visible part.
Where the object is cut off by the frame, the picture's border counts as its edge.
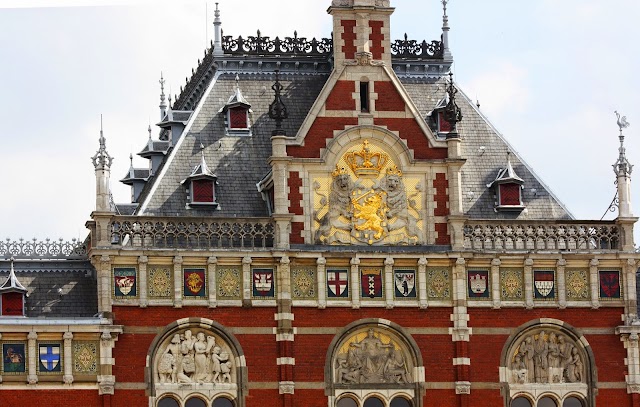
(535, 236)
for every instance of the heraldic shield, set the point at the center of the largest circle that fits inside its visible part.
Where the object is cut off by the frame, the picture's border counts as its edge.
(405, 281)
(338, 283)
(49, 357)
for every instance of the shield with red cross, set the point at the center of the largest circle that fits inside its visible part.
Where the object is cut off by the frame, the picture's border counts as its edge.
(338, 283)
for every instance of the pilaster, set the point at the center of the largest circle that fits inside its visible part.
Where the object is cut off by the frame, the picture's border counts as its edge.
(595, 283)
(104, 276)
(32, 372)
(106, 379)
(321, 268)
(422, 282)
(528, 283)
(177, 281)
(388, 281)
(562, 291)
(142, 278)
(68, 360)
(355, 283)
(246, 280)
(495, 282)
(212, 265)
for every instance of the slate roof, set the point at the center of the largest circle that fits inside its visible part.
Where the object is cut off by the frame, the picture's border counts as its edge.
(154, 147)
(43, 279)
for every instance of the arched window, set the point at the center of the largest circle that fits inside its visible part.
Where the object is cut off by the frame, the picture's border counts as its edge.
(222, 402)
(547, 402)
(553, 356)
(373, 402)
(400, 402)
(168, 402)
(347, 402)
(572, 402)
(195, 402)
(521, 402)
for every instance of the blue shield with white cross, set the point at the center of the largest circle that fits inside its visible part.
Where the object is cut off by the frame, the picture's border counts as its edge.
(50, 358)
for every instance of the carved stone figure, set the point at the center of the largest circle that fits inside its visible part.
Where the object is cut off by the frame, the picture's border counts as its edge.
(398, 205)
(547, 358)
(339, 206)
(371, 360)
(194, 359)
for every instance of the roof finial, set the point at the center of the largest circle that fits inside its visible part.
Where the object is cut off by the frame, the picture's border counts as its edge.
(101, 159)
(237, 82)
(163, 104)
(277, 109)
(452, 113)
(12, 283)
(217, 26)
(622, 167)
(149, 131)
(445, 32)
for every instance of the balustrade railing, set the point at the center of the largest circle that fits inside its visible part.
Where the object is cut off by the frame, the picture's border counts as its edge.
(46, 249)
(192, 233)
(506, 235)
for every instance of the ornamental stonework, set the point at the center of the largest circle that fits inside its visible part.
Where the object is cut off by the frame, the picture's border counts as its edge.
(438, 283)
(367, 200)
(85, 357)
(548, 357)
(194, 356)
(229, 282)
(577, 284)
(304, 282)
(372, 356)
(511, 284)
(160, 282)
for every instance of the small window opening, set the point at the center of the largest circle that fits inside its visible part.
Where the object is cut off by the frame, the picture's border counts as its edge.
(364, 97)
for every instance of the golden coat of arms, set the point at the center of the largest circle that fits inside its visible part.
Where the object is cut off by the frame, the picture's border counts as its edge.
(373, 209)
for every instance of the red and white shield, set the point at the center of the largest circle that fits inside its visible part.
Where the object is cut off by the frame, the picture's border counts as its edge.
(338, 281)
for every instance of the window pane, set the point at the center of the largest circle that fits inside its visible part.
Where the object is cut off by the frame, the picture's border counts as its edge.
(168, 402)
(572, 402)
(195, 402)
(400, 402)
(547, 402)
(202, 190)
(222, 402)
(509, 194)
(12, 304)
(347, 402)
(373, 402)
(521, 402)
(238, 118)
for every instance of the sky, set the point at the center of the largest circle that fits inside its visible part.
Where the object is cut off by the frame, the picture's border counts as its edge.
(547, 73)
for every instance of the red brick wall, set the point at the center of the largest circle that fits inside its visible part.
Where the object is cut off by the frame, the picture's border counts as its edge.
(349, 37)
(441, 196)
(376, 38)
(341, 96)
(129, 398)
(321, 129)
(296, 233)
(161, 316)
(50, 398)
(389, 98)
(416, 140)
(295, 195)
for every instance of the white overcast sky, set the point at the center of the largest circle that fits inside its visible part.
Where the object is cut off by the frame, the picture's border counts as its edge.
(548, 73)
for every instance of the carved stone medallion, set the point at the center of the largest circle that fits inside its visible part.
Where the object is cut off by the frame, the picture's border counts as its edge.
(438, 283)
(511, 284)
(577, 284)
(160, 282)
(372, 356)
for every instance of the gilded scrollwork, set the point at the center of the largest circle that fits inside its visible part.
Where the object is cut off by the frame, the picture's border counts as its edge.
(372, 356)
(547, 357)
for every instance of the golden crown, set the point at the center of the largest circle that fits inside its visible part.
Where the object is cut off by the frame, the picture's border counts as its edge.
(365, 163)
(393, 170)
(339, 171)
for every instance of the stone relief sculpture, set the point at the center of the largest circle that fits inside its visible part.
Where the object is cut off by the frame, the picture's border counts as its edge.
(371, 360)
(199, 358)
(339, 202)
(547, 358)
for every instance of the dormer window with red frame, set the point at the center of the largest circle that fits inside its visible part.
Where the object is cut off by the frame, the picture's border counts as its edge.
(12, 296)
(201, 184)
(436, 119)
(508, 189)
(237, 114)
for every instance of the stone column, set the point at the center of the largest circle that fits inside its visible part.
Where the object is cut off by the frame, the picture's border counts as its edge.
(495, 282)
(285, 333)
(629, 336)
(355, 283)
(106, 379)
(321, 263)
(562, 289)
(388, 281)
(104, 276)
(630, 296)
(212, 265)
(32, 376)
(460, 333)
(68, 359)
(177, 281)
(142, 278)
(595, 283)
(528, 283)
(246, 280)
(422, 282)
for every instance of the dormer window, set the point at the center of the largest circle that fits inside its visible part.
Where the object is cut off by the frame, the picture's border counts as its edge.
(201, 184)
(436, 120)
(12, 296)
(508, 189)
(237, 114)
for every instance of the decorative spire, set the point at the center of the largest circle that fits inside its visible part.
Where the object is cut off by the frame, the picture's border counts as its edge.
(163, 104)
(452, 113)
(277, 109)
(217, 26)
(622, 167)
(445, 32)
(102, 160)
